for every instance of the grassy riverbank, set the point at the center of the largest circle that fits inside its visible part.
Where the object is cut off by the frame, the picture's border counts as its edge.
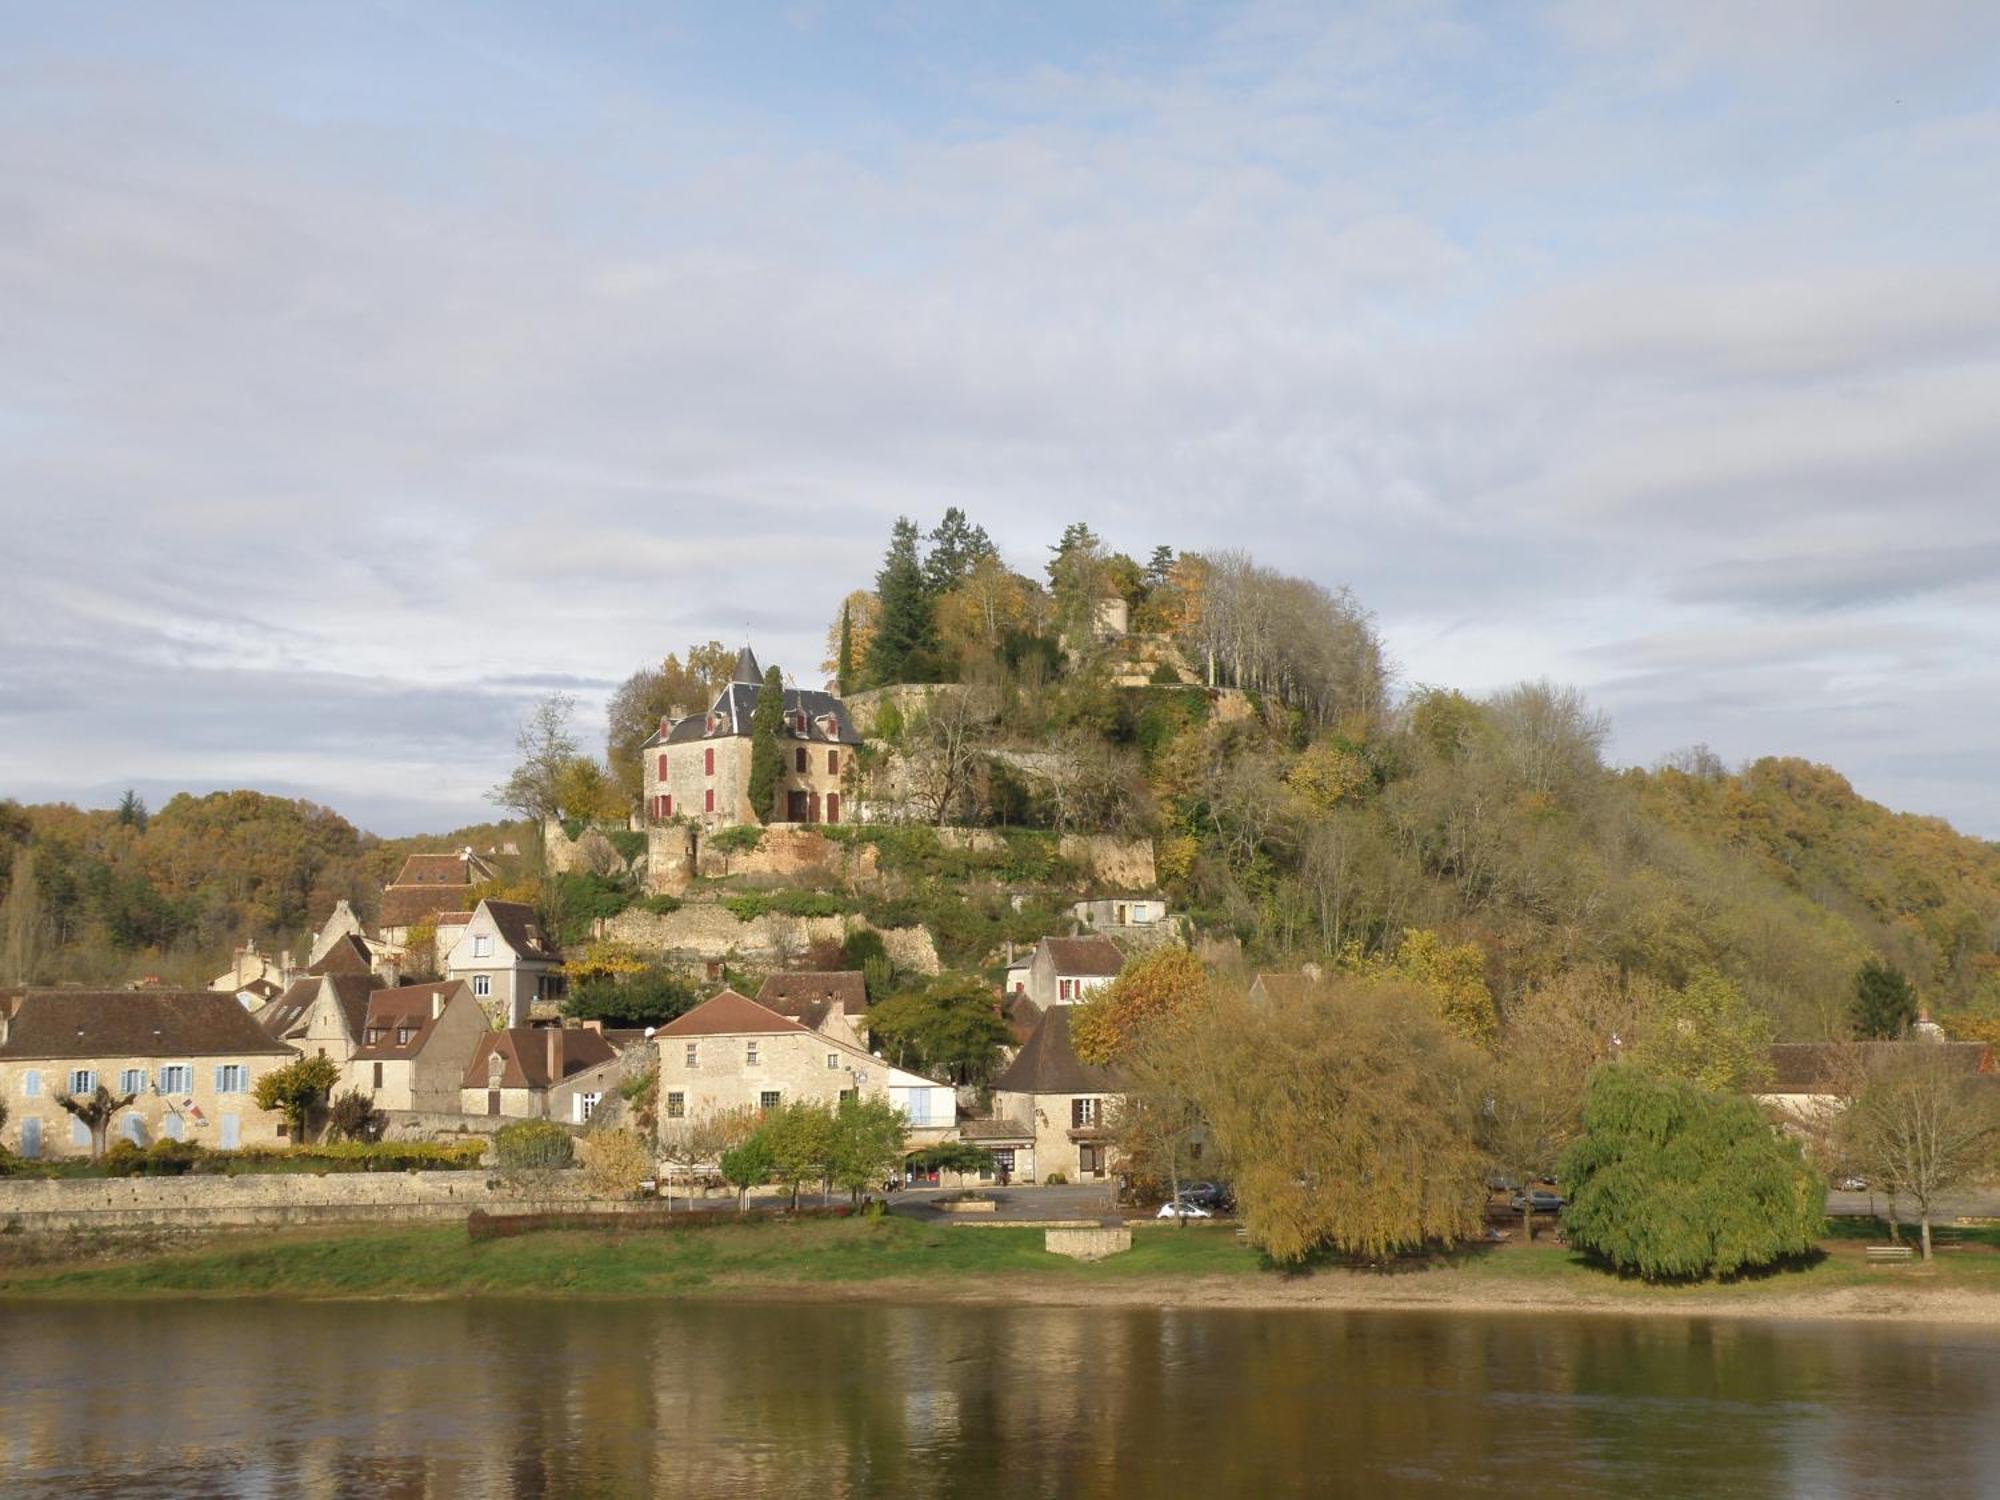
(907, 1260)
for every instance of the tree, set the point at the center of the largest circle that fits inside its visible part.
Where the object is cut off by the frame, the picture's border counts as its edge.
(956, 546)
(941, 748)
(843, 657)
(747, 1165)
(96, 1109)
(905, 645)
(132, 810)
(545, 746)
(799, 1137)
(767, 754)
(1923, 1125)
(651, 995)
(21, 920)
(615, 1162)
(1158, 984)
(867, 1144)
(1452, 975)
(1885, 1002)
(1164, 1061)
(1674, 1182)
(1707, 1033)
(527, 1149)
(352, 1116)
(704, 1140)
(852, 632)
(299, 1089)
(583, 790)
(674, 687)
(1347, 1117)
(951, 1029)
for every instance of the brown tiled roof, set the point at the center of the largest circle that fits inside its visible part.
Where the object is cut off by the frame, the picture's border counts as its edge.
(525, 1051)
(994, 1130)
(809, 995)
(1022, 1016)
(434, 869)
(286, 1015)
(406, 1008)
(1090, 957)
(728, 1014)
(135, 1023)
(452, 918)
(348, 955)
(519, 928)
(407, 905)
(1827, 1067)
(1048, 1064)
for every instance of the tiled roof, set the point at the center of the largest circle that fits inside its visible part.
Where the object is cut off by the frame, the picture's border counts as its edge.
(1829, 1067)
(405, 1009)
(434, 869)
(728, 1014)
(286, 1015)
(1094, 956)
(407, 905)
(524, 1050)
(135, 1023)
(519, 928)
(1048, 1064)
(808, 996)
(348, 955)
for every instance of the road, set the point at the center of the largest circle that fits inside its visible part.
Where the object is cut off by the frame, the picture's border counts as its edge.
(1984, 1204)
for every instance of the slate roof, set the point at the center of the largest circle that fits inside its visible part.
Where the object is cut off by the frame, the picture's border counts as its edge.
(406, 1007)
(520, 929)
(1048, 1064)
(286, 1014)
(1094, 956)
(736, 705)
(1825, 1067)
(809, 995)
(525, 1051)
(348, 955)
(135, 1023)
(747, 669)
(728, 1014)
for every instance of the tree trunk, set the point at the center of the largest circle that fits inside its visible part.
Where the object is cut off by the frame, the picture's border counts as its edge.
(100, 1132)
(1925, 1219)
(1528, 1220)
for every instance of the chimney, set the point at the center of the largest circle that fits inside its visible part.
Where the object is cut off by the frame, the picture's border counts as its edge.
(437, 1003)
(594, 1024)
(555, 1054)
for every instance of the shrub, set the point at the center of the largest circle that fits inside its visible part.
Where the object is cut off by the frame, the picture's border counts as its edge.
(614, 1162)
(629, 842)
(1056, 1179)
(651, 997)
(352, 1116)
(661, 906)
(573, 902)
(534, 1145)
(1673, 1182)
(747, 907)
(740, 838)
(807, 903)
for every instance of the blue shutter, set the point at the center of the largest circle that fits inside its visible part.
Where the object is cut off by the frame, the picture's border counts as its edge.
(31, 1138)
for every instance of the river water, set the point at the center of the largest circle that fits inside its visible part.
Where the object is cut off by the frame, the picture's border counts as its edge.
(506, 1398)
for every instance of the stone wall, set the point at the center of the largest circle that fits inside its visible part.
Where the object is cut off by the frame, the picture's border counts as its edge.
(1087, 1244)
(791, 849)
(705, 930)
(273, 1198)
(1118, 863)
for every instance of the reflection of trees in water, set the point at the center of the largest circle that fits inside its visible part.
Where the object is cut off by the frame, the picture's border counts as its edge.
(509, 1397)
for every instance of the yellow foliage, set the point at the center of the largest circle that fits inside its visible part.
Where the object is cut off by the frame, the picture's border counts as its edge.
(1150, 989)
(1452, 977)
(614, 1162)
(1326, 774)
(607, 958)
(1173, 858)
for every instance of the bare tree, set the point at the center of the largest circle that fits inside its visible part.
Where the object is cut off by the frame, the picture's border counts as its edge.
(545, 746)
(1924, 1125)
(943, 749)
(96, 1109)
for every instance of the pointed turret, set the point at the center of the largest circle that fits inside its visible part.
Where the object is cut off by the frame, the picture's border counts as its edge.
(747, 669)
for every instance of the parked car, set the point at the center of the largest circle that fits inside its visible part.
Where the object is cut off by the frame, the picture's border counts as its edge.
(1183, 1210)
(1209, 1195)
(1538, 1199)
(1852, 1184)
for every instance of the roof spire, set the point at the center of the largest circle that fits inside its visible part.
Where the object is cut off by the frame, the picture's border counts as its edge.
(747, 669)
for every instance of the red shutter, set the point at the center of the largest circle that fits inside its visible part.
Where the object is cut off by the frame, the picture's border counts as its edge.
(663, 766)
(833, 762)
(708, 761)
(833, 807)
(667, 805)
(711, 800)
(800, 762)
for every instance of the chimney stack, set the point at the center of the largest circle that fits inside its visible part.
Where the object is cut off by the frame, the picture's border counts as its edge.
(555, 1054)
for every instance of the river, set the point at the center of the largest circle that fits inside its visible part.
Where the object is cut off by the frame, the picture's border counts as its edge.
(510, 1398)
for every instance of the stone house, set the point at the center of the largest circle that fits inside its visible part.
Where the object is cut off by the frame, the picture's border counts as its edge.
(1121, 913)
(321, 1017)
(697, 768)
(255, 974)
(506, 959)
(426, 885)
(1811, 1082)
(731, 1053)
(191, 1058)
(1059, 1102)
(1064, 971)
(539, 1073)
(831, 1001)
(416, 1042)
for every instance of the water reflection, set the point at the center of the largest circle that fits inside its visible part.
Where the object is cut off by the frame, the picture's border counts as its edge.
(506, 1398)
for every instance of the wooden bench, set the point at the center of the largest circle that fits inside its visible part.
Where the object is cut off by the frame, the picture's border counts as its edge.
(1883, 1253)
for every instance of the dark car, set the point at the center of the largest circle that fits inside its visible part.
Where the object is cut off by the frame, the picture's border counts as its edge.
(1209, 1195)
(1540, 1200)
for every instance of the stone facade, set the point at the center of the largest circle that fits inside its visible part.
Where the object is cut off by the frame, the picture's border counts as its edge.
(509, 972)
(199, 1102)
(424, 1077)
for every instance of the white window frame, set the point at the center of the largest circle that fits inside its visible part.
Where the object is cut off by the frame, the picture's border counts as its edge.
(482, 986)
(586, 1104)
(692, 1058)
(82, 1080)
(482, 945)
(750, 1058)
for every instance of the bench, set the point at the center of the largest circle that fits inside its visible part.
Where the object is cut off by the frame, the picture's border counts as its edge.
(1882, 1253)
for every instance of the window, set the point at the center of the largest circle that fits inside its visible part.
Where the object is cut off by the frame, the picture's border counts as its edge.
(1083, 1114)
(846, 1094)
(482, 945)
(482, 985)
(585, 1103)
(378, 1075)
(1003, 1161)
(231, 1078)
(132, 1081)
(31, 1083)
(178, 1078)
(667, 805)
(403, 1035)
(833, 762)
(82, 1080)
(708, 761)
(693, 1055)
(750, 1054)
(663, 766)
(833, 807)
(768, 1099)
(677, 1105)
(372, 1036)
(799, 759)
(708, 802)
(833, 1059)
(1065, 989)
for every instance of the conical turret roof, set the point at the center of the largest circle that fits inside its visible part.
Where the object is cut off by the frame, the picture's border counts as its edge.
(747, 669)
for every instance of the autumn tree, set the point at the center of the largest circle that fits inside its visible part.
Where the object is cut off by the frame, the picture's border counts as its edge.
(767, 751)
(1707, 1033)
(849, 640)
(746, 1165)
(1451, 975)
(1159, 984)
(799, 1137)
(1166, 1065)
(299, 1091)
(21, 920)
(950, 1029)
(1671, 1181)
(678, 685)
(96, 1109)
(1923, 1125)
(545, 747)
(1885, 1002)
(691, 1144)
(584, 790)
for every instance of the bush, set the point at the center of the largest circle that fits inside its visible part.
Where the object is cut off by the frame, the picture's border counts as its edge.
(807, 903)
(651, 997)
(629, 842)
(615, 1162)
(352, 1116)
(1672, 1182)
(1056, 1179)
(534, 1145)
(747, 907)
(576, 900)
(740, 838)
(661, 906)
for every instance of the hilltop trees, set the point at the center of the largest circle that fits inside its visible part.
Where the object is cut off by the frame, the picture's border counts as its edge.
(545, 746)
(904, 647)
(1885, 1003)
(651, 694)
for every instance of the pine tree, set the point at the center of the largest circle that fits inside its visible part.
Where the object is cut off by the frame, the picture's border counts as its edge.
(1885, 1003)
(1160, 567)
(767, 755)
(843, 674)
(905, 643)
(132, 810)
(956, 545)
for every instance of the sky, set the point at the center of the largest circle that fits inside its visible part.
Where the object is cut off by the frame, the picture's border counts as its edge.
(369, 370)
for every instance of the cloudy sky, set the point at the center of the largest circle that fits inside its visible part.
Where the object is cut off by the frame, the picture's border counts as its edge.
(368, 369)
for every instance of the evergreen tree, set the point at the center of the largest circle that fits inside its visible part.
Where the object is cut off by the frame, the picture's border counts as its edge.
(767, 754)
(1078, 540)
(1885, 1003)
(132, 810)
(905, 643)
(1160, 567)
(956, 545)
(843, 672)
